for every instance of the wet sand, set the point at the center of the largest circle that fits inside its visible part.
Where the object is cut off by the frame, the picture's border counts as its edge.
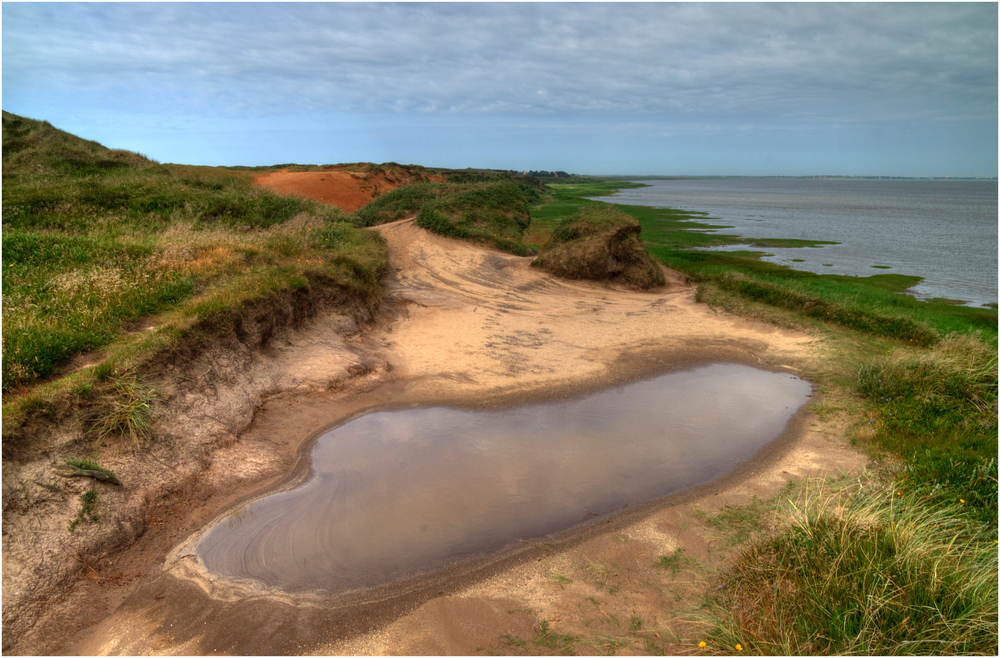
(472, 328)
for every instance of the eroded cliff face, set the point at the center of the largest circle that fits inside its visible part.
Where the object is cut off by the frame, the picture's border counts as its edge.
(349, 187)
(208, 391)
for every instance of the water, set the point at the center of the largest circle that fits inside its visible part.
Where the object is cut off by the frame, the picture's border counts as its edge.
(396, 493)
(944, 231)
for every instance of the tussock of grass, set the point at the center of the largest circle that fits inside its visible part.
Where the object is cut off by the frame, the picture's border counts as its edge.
(126, 411)
(600, 243)
(882, 574)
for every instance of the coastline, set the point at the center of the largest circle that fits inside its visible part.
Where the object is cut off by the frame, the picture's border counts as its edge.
(863, 250)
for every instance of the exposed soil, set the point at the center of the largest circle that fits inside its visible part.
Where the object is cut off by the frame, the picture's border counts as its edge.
(461, 325)
(346, 187)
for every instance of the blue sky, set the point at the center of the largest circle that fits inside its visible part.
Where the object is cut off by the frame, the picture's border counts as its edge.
(651, 88)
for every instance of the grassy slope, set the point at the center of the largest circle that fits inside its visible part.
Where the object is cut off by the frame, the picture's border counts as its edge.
(486, 207)
(913, 570)
(95, 239)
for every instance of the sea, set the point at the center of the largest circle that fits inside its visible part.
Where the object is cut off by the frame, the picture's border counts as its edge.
(942, 230)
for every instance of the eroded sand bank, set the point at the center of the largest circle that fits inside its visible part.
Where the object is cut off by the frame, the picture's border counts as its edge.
(467, 326)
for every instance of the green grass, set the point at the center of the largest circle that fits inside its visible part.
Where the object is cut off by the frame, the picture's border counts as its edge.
(88, 510)
(880, 574)
(95, 239)
(495, 214)
(400, 203)
(937, 411)
(85, 464)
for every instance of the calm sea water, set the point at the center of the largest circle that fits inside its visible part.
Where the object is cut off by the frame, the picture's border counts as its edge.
(944, 231)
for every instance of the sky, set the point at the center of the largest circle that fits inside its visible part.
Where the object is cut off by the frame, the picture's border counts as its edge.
(892, 89)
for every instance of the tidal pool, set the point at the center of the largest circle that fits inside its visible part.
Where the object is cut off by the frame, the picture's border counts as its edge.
(396, 493)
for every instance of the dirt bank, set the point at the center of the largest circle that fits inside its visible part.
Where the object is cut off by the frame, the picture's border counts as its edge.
(461, 325)
(345, 186)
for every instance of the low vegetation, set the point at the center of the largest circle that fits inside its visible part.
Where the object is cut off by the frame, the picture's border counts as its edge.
(491, 208)
(114, 255)
(600, 243)
(880, 573)
(494, 214)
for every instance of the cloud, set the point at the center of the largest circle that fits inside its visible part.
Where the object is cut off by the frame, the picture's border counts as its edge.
(812, 62)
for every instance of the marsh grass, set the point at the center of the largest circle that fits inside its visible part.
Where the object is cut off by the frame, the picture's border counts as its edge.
(870, 304)
(879, 573)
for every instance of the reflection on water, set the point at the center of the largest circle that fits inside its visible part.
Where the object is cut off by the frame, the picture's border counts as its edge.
(399, 492)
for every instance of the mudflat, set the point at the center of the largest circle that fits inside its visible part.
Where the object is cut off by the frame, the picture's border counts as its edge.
(471, 327)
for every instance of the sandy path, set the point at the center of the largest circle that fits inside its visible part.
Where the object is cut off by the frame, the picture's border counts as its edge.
(474, 327)
(479, 319)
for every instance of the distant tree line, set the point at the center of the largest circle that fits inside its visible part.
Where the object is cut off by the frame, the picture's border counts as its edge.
(549, 174)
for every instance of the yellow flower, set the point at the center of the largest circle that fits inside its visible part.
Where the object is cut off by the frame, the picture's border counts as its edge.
(961, 500)
(702, 644)
(739, 647)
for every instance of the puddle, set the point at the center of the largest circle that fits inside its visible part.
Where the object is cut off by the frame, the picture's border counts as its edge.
(395, 493)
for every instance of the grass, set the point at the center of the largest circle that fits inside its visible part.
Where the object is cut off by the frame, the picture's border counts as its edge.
(125, 412)
(88, 510)
(483, 206)
(494, 214)
(97, 241)
(878, 574)
(937, 411)
(85, 464)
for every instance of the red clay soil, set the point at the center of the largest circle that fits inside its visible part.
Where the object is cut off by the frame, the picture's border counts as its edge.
(345, 186)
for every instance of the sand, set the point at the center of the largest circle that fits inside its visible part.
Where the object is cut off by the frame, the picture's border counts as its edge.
(340, 185)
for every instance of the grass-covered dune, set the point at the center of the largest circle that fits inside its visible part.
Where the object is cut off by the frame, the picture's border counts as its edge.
(494, 212)
(96, 239)
(600, 243)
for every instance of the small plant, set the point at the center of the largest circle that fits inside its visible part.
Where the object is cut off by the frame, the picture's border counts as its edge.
(89, 468)
(672, 562)
(126, 411)
(561, 580)
(88, 512)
